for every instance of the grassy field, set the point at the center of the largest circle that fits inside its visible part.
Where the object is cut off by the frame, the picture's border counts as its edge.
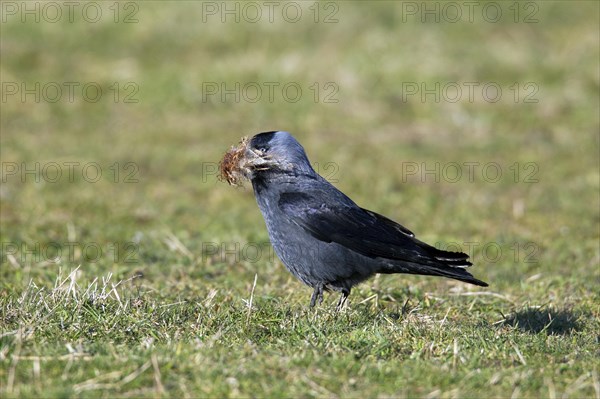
(129, 270)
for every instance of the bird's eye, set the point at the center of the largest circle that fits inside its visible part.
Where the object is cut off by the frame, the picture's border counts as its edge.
(263, 149)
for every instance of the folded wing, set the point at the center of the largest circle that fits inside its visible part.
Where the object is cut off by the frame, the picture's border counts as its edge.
(371, 235)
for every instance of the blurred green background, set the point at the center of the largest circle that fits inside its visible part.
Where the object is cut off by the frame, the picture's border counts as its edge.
(162, 89)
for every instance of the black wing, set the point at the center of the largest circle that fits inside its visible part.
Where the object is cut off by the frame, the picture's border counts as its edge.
(368, 233)
(358, 229)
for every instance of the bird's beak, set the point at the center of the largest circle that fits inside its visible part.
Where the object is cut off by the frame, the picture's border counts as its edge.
(255, 160)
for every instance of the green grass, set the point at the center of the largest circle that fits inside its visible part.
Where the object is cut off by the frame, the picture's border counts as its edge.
(171, 307)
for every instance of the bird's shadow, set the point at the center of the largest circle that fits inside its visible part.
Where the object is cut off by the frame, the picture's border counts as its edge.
(537, 320)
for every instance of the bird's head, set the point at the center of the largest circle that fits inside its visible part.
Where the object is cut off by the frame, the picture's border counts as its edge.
(265, 153)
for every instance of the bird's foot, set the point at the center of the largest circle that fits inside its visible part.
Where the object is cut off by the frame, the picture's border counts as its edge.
(343, 300)
(317, 295)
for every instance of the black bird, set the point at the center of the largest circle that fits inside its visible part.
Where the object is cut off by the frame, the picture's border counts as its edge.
(321, 235)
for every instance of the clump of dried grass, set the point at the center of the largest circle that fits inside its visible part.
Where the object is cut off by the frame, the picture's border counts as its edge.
(231, 166)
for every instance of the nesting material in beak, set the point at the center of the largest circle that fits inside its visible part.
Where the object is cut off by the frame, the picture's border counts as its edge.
(233, 165)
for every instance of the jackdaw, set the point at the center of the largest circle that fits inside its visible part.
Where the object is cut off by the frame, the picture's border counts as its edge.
(321, 235)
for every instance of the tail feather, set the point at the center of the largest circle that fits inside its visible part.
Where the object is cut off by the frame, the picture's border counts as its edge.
(453, 273)
(436, 262)
(452, 264)
(431, 269)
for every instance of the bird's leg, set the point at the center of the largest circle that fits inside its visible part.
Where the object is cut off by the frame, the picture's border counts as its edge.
(317, 295)
(341, 304)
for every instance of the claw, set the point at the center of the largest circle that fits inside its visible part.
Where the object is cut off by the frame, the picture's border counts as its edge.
(343, 300)
(317, 295)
